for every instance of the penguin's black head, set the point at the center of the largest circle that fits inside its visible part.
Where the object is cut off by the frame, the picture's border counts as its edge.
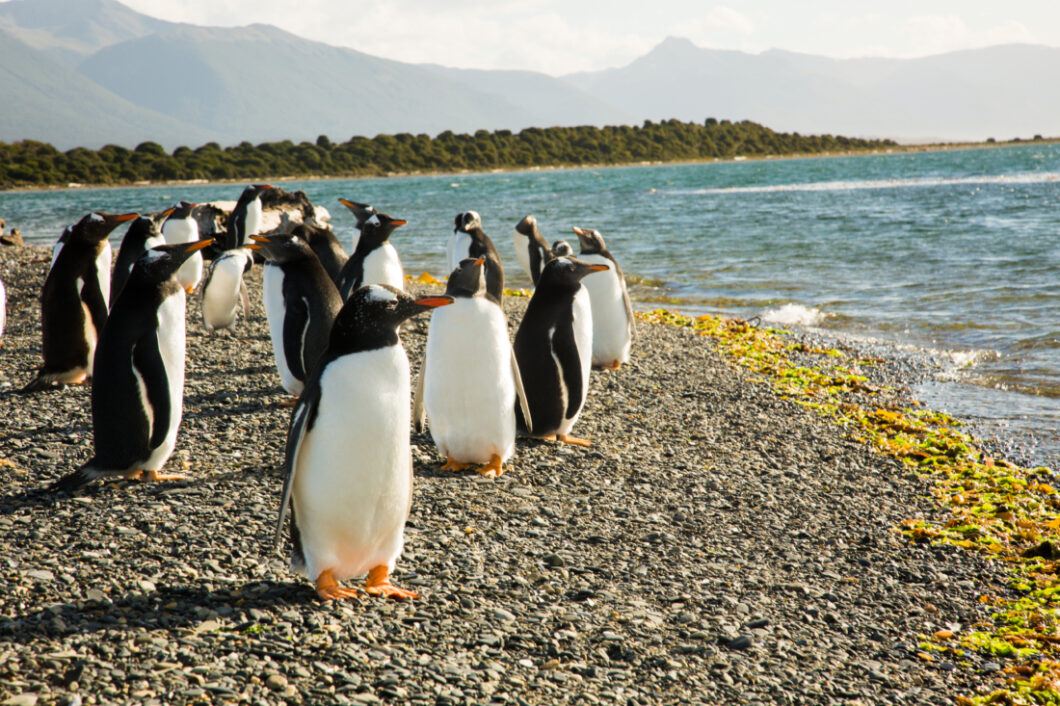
(468, 279)
(361, 211)
(590, 240)
(370, 317)
(159, 263)
(144, 227)
(376, 231)
(181, 211)
(95, 227)
(561, 248)
(527, 226)
(567, 273)
(281, 247)
(467, 221)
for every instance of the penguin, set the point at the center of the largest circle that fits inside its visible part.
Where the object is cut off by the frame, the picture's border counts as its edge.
(348, 460)
(613, 323)
(361, 212)
(470, 241)
(553, 346)
(182, 227)
(374, 261)
(57, 248)
(561, 248)
(223, 289)
(470, 379)
(301, 302)
(245, 219)
(138, 388)
(74, 301)
(531, 248)
(143, 234)
(325, 246)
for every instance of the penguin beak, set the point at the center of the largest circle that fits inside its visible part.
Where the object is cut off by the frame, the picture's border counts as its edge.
(598, 268)
(253, 246)
(397, 222)
(347, 204)
(199, 245)
(480, 261)
(578, 231)
(167, 213)
(260, 238)
(433, 302)
(125, 217)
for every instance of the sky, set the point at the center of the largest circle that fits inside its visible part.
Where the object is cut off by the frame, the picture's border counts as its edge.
(563, 36)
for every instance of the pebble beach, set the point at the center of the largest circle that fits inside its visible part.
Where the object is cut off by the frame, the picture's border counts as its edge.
(716, 544)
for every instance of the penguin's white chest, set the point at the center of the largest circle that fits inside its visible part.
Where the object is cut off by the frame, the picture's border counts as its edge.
(457, 249)
(583, 339)
(353, 476)
(252, 220)
(171, 346)
(468, 388)
(612, 331)
(103, 271)
(383, 266)
(185, 230)
(221, 298)
(522, 251)
(275, 310)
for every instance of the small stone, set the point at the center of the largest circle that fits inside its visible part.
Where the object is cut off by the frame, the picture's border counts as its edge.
(554, 561)
(991, 667)
(502, 615)
(22, 700)
(41, 575)
(276, 682)
(740, 642)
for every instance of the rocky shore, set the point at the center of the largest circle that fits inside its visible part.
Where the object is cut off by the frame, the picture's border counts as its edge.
(717, 544)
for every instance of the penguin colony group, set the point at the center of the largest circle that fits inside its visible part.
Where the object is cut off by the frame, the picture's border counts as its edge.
(334, 322)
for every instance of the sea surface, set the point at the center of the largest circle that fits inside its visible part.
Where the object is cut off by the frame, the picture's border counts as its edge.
(952, 254)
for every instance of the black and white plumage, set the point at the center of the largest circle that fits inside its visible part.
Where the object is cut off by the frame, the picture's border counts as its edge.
(74, 301)
(325, 246)
(138, 389)
(531, 248)
(561, 248)
(182, 226)
(374, 260)
(553, 346)
(224, 292)
(143, 234)
(301, 302)
(246, 217)
(361, 213)
(348, 460)
(469, 240)
(613, 323)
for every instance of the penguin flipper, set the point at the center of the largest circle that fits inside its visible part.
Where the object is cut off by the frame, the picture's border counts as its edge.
(295, 328)
(147, 361)
(245, 296)
(419, 412)
(301, 424)
(520, 393)
(629, 311)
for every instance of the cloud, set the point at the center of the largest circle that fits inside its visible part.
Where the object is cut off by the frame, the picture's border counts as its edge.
(935, 34)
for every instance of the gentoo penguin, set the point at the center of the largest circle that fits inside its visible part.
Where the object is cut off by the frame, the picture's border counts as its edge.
(470, 241)
(325, 246)
(553, 346)
(138, 387)
(58, 246)
(74, 301)
(182, 227)
(223, 289)
(301, 302)
(245, 219)
(348, 460)
(531, 248)
(361, 212)
(374, 261)
(143, 234)
(561, 248)
(613, 324)
(470, 379)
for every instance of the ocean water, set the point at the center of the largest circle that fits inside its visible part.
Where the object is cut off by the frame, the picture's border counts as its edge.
(953, 253)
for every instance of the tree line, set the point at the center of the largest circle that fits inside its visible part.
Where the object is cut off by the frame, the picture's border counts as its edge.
(28, 163)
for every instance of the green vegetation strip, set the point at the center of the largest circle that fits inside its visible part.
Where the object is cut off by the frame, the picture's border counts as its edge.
(1006, 512)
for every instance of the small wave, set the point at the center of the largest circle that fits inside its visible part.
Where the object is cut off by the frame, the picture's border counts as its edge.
(795, 315)
(1025, 178)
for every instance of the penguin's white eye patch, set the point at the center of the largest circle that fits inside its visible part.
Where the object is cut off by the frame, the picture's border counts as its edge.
(379, 294)
(95, 218)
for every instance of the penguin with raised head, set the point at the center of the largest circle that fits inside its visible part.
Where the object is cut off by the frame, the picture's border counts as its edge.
(613, 323)
(531, 248)
(348, 460)
(470, 241)
(561, 248)
(301, 302)
(74, 301)
(223, 290)
(470, 379)
(375, 260)
(325, 246)
(183, 227)
(246, 217)
(143, 234)
(361, 213)
(553, 346)
(138, 387)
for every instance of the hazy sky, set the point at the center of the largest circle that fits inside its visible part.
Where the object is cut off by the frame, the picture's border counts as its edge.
(560, 36)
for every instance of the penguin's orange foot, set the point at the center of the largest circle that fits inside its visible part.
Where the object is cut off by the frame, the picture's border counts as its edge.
(156, 477)
(378, 584)
(452, 464)
(547, 437)
(613, 365)
(493, 469)
(287, 403)
(132, 475)
(574, 441)
(329, 589)
(189, 290)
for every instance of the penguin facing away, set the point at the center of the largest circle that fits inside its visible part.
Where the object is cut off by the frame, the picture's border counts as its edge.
(470, 241)
(74, 301)
(325, 246)
(301, 302)
(531, 248)
(553, 347)
(348, 461)
(613, 322)
(245, 219)
(375, 260)
(143, 234)
(361, 213)
(138, 389)
(183, 227)
(561, 248)
(224, 291)
(470, 380)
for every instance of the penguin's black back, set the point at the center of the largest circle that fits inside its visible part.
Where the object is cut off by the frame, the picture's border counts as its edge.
(132, 246)
(309, 295)
(325, 246)
(482, 246)
(62, 317)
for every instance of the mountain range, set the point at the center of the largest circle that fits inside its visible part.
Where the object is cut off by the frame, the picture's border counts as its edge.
(92, 72)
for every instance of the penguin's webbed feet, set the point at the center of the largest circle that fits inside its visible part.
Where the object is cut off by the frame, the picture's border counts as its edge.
(378, 584)
(493, 469)
(613, 365)
(329, 589)
(152, 476)
(288, 403)
(451, 464)
(573, 440)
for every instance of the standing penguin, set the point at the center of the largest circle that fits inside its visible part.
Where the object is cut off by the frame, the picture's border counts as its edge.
(531, 248)
(182, 227)
(613, 323)
(470, 241)
(138, 389)
(561, 248)
(143, 234)
(301, 303)
(374, 261)
(325, 246)
(348, 460)
(553, 346)
(361, 212)
(224, 290)
(245, 219)
(470, 379)
(74, 301)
